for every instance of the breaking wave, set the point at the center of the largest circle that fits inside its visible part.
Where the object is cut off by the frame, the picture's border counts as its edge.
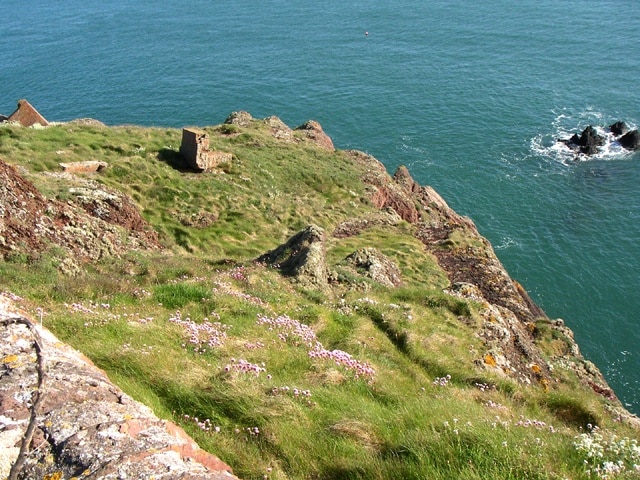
(550, 145)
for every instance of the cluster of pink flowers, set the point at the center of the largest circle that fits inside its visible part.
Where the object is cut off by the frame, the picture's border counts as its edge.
(204, 425)
(141, 293)
(95, 310)
(253, 431)
(137, 317)
(442, 381)
(290, 328)
(537, 424)
(296, 392)
(227, 289)
(484, 386)
(492, 404)
(202, 334)
(253, 345)
(11, 296)
(244, 366)
(80, 308)
(359, 369)
(238, 273)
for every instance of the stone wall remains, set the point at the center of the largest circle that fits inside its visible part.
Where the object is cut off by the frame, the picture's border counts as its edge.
(195, 151)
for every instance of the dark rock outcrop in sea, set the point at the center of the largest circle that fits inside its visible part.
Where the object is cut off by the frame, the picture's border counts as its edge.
(589, 142)
(630, 140)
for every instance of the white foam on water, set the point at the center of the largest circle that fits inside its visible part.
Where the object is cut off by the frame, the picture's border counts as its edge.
(505, 243)
(549, 144)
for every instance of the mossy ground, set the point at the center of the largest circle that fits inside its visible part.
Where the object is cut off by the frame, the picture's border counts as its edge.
(220, 344)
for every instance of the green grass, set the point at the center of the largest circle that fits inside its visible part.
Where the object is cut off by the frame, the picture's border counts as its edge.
(428, 412)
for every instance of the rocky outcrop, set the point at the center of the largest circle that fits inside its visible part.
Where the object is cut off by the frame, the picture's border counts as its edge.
(468, 259)
(587, 143)
(196, 153)
(618, 128)
(374, 264)
(113, 207)
(240, 119)
(383, 193)
(26, 115)
(310, 130)
(303, 257)
(61, 417)
(630, 140)
(590, 141)
(279, 129)
(313, 131)
(509, 316)
(31, 223)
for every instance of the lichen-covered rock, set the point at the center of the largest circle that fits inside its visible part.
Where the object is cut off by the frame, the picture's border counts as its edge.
(279, 129)
(90, 229)
(314, 132)
(303, 257)
(385, 193)
(510, 348)
(82, 425)
(240, 119)
(375, 265)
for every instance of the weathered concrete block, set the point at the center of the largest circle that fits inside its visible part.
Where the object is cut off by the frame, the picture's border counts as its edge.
(195, 150)
(84, 167)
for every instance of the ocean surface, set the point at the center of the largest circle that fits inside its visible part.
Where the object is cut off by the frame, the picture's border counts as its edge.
(470, 96)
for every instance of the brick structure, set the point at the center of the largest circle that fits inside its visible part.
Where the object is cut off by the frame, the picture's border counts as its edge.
(195, 150)
(26, 115)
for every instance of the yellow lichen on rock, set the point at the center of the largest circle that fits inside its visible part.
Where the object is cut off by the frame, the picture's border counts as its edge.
(53, 476)
(10, 359)
(490, 360)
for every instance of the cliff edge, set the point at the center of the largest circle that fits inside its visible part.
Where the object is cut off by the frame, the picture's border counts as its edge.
(296, 312)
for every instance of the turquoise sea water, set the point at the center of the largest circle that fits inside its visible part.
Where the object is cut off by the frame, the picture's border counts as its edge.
(470, 96)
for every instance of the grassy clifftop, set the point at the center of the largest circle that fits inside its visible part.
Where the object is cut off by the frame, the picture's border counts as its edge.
(390, 343)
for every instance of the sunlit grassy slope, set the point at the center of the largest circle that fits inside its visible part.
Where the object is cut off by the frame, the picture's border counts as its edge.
(280, 380)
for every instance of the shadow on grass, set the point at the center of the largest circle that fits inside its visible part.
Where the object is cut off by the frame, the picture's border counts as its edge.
(174, 160)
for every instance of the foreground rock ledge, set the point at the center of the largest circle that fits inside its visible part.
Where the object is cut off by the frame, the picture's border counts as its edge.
(85, 426)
